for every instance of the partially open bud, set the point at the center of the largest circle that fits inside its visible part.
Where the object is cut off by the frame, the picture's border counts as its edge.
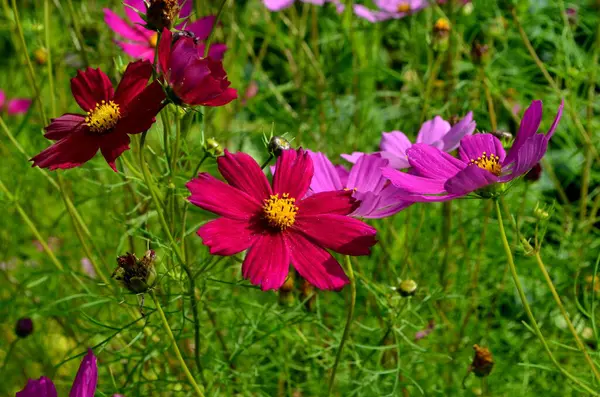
(277, 145)
(483, 362)
(137, 275)
(441, 34)
(162, 14)
(213, 147)
(41, 56)
(541, 214)
(24, 327)
(407, 288)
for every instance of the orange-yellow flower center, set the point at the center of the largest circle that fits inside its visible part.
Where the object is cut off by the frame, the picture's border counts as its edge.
(153, 40)
(103, 117)
(280, 213)
(442, 25)
(490, 163)
(404, 7)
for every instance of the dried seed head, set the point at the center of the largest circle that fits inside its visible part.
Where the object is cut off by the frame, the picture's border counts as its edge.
(137, 275)
(277, 145)
(24, 327)
(162, 14)
(483, 363)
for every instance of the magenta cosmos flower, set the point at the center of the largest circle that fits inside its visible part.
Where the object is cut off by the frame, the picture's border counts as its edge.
(192, 79)
(437, 133)
(141, 42)
(378, 198)
(437, 176)
(84, 384)
(14, 106)
(277, 224)
(111, 116)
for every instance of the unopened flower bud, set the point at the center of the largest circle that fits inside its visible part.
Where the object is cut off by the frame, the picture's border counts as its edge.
(534, 174)
(541, 214)
(162, 14)
(41, 56)
(277, 145)
(24, 327)
(407, 288)
(572, 16)
(483, 362)
(480, 52)
(213, 147)
(137, 275)
(441, 34)
(502, 135)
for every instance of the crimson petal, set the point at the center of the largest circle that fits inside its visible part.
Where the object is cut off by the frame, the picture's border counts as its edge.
(226, 236)
(133, 82)
(64, 125)
(242, 172)
(112, 146)
(267, 262)
(294, 171)
(338, 202)
(91, 87)
(71, 151)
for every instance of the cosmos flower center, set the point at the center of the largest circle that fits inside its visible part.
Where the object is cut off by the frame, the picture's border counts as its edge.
(280, 213)
(103, 117)
(153, 40)
(490, 163)
(404, 7)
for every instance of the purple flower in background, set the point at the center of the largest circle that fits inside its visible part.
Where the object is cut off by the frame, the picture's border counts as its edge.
(437, 133)
(278, 5)
(14, 106)
(88, 268)
(437, 176)
(141, 42)
(84, 384)
(378, 199)
(390, 9)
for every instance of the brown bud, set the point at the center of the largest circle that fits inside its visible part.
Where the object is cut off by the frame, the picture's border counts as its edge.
(479, 52)
(277, 145)
(162, 14)
(137, 275)
(482, 361)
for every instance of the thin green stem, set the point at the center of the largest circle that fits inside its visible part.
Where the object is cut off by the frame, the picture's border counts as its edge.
(48, 43)
(184, 366)
(267, 161)
(212, 32)
(534, 324)
(435, 68)
(78, 34)
(349, 318)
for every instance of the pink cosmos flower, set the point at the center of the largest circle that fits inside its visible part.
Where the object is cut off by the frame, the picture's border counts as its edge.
(276, 223)
(84, 384)
(192, 79)
(141, 42)
(14, 106)
(378, 198)
(437, 176)
(390, 9)
(437, 133)
(278, 5)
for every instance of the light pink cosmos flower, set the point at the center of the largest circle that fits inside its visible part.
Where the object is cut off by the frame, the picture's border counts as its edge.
(278, 5)
(14, 106)
(141, 43)
(390, 9)
(437, 133)
(276, 223)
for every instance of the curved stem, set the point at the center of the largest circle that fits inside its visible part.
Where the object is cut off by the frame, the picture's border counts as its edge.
(212, 32)
(534, 324)
(348, 322)
(175, 347)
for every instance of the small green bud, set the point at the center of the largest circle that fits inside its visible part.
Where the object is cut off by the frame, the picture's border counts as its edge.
(541, 214)
(213, 147)
(407, 288)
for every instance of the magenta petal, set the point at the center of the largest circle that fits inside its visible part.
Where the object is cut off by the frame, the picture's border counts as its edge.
(226, 236)
(64, 125)
(267, 262)
(42, 387)
(186, 8)
(242, 172)
(351, 236)
(130, 6)
(294, 171)
(141, 51)
(432, 132)
(413, 184)
(474, 146)
(122, 28)
(91, 87)
(164, 51)
(113, 146)
(215, 196)
(529, 125)
(432, 163)
(326, 177)
(84, 384)
(2, 98)
(334, 202)
(18, 106)
(469, 180)
(202, 27)
(386, 203)
(396, 144)
(464, 127)
(366, 176)
(530, 153)
(315, 264)
(556, 120)
(352, 158)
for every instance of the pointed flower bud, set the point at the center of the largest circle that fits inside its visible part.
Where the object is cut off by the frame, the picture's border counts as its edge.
(137, 275)
(24, 327)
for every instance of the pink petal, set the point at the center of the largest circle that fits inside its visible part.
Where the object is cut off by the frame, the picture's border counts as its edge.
(226, 236)
(138, 50)
(84, 384)
(130, 6)
(556, 120)
(466, 126)
(43, 387)
(470, 179)
(122, 28)
(294, 171)
(71, 151)
(326, 177)
(216, 51)
(242, 172)
(202, 27)
(472, 147)
(133, 82)
(413, 184)
(64, 125)
(215, 196)
(529, 125)
(366, 176)
(393, 146)
(315, 264)
(277, 5)
(352, 158)
(530, 153)
(432, 131)
(267, 262)
(338, 233)
(112, 146)
(333, 202)
(91, 87)
(18, 106)
(2, 98)
(387, 203)
(430, 162)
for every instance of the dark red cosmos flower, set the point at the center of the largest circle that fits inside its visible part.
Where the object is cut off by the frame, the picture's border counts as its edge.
(191, 78)
(278, 225)
(111, 116)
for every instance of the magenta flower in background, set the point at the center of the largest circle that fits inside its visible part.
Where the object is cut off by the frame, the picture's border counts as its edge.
(276, 223)
(378, 198)
(14, 106)
(437, 133)
(278, 5)
(390, 9)
(141, 43)
(191, 78)
(84, 384)
(437, 176)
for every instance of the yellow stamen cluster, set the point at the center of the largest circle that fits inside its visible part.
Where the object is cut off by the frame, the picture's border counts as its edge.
(442, 25)
(404, 7)
(490, 163)
(153, 40)
(281, 212)
(103, 117)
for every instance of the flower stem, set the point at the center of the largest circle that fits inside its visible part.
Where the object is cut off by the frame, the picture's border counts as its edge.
(338, 357)
(534, 324)
(214, 28)
(175, 347)
(262, 167)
